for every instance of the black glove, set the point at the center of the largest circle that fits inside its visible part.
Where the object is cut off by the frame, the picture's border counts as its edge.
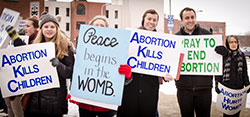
(217, 90)
(221, 50)
(55, 62)
(248, 90)
(59, 66)
(12, 32)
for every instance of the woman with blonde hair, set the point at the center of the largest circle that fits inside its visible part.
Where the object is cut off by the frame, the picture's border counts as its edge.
(52, 102)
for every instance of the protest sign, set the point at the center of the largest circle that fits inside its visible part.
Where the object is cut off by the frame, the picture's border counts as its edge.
(8, 17)
(24, 39)
(100, 51)
(154, 53)
(26, 69)
(231, 101)
(200, 57)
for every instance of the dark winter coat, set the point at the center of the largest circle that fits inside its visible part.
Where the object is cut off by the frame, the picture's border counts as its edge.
(53, 101)
(237, 80)
(140, 96)
(194, 82)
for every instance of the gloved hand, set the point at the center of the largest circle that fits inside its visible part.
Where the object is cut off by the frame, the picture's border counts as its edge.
(12, 32)
(217, 90)
(55, 62)
(126, 70)
(59, 66)
(221, 50)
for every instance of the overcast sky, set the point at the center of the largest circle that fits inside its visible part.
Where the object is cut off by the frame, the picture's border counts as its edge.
(234, 12)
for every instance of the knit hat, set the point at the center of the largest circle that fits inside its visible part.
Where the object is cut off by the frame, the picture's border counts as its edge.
(46, 17)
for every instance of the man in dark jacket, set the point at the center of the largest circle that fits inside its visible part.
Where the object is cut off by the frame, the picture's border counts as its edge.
(193, 91)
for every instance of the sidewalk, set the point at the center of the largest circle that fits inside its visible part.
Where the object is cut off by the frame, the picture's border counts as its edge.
(168, 107)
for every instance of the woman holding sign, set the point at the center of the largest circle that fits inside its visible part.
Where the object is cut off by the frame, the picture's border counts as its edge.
(52, 102)
(140, 95)
(234, 67)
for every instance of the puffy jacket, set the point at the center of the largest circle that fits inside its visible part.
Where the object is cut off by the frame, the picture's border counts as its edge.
(53, 101)
(194, 82)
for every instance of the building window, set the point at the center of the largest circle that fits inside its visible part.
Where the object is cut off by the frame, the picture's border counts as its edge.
(107, 13)
(47, 9)
(67, 26)
(78, 23)
(116, 14)
(80, 9)
(67, 12)
(220, 29)
(215, 29)
(57, 10)
(116, 25)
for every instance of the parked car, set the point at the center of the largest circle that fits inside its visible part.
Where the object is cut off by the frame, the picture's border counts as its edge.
(246, 51)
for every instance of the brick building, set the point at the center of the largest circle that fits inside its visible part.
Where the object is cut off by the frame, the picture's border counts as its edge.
(218, 28)
(81, 13)
(27, 8)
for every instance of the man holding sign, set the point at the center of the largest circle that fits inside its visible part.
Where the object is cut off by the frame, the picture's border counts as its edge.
(193, 91)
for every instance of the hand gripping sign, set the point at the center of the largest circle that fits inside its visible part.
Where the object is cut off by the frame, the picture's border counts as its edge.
(8, 17)
(27, 69)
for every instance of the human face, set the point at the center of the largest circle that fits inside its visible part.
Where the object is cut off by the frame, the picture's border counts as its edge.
(49, 30)
(188, 21)
(233, 43)
(29, 28)
(150, 21)
(99, 22)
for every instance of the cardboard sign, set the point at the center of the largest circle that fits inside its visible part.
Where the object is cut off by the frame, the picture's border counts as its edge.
(98, 57)
(200, 57)
(24, 39)
(231, 101)
(27, 69)
(8, 17)
(154, 53)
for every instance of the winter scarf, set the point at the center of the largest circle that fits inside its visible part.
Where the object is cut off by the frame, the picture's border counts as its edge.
(233, 55)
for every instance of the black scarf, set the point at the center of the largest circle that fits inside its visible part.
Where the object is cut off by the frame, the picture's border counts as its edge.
(233, 55)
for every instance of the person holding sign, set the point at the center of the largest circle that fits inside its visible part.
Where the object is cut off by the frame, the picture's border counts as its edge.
(193, 91)
(87, 110)
(31, 28)
(52, 102)
(140, 95)
(234, 67)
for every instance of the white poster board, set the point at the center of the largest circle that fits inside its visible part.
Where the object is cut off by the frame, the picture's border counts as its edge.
(26, 69)
(8, 17)
(231, 101)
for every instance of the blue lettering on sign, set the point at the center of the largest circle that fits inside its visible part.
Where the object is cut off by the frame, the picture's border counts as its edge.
(7, 17)
(1, 27)
(25, 70)
(14, 85)
(23, 57)
(149, 53)
(153, 41)
(148, 65)
(229, 107)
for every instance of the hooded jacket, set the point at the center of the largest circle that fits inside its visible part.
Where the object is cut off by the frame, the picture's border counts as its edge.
(237, 80)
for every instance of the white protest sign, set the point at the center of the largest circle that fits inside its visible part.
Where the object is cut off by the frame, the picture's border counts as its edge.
(154, 53)
(8, 17)
(200, 57)
(26, 69)
(24, 38)
(231, 101)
